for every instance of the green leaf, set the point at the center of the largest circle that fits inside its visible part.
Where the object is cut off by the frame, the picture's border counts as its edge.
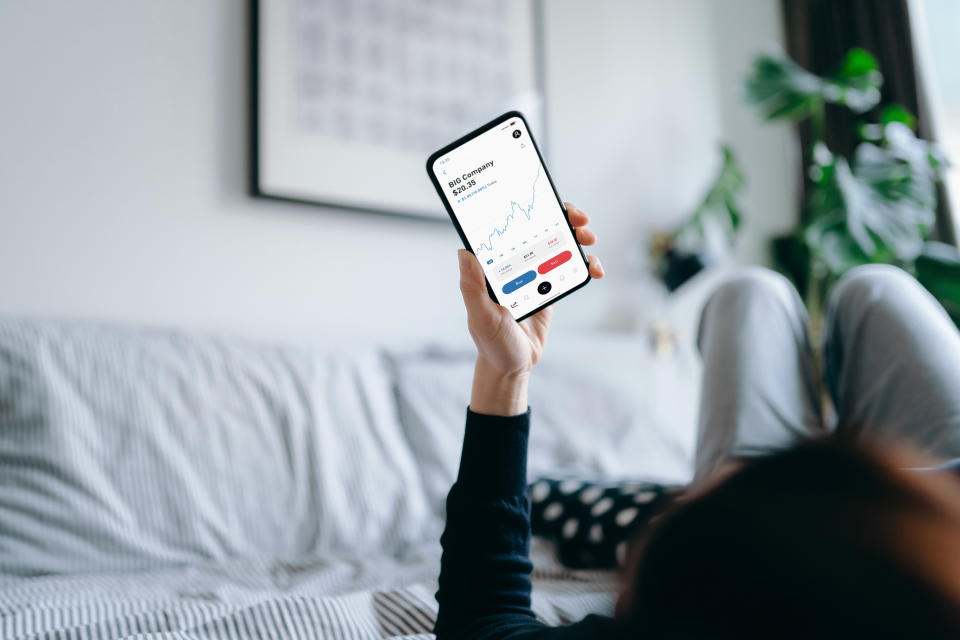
(839, 253)
(781, 89)
(878, 208)
(719, 206)
(900, 168)
(856, 85)
(733, 211)
(718, 216)
(897, 113)
(821, 155)
(889, 203)
(870, 131)
(855, 202)
(858, 62)
(859, 99)
(937, 159)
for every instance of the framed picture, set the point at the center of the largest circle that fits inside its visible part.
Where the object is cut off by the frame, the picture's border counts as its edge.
(350, 97)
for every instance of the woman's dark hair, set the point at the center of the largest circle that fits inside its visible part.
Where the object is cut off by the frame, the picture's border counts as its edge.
(810, 543)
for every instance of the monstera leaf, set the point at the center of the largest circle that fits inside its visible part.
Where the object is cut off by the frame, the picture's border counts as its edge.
(719, 211)
(857, 83)
(708, 232)
(782, 89)
(878, 205)
(880, 208)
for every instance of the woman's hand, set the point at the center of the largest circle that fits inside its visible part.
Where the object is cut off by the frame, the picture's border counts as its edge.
(507, 349)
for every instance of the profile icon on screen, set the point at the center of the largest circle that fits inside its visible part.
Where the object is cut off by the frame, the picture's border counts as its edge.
(516, 133)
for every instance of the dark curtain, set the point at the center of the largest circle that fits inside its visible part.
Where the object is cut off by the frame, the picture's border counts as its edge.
(819, 34)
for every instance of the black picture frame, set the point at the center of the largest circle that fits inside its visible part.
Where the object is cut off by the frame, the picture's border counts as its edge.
(256, 185)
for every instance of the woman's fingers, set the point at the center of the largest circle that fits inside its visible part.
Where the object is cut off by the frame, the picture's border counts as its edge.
(595, 268)
(472, 284)
(577, 217)
(580, 220)
(586, 237)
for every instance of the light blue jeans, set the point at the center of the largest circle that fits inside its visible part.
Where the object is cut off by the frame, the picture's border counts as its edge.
(891, 359)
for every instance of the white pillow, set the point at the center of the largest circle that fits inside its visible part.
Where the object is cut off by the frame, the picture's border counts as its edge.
(126, 448)
(582, 424)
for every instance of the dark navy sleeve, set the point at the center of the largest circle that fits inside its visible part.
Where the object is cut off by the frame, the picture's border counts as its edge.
(484, 590)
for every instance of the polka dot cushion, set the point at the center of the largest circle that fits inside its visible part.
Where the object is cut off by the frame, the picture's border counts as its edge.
(592, 524)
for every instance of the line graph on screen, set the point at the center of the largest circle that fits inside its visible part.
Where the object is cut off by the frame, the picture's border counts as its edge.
(517, 213)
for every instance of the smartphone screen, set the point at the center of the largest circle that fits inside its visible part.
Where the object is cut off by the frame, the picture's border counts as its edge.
(507, 212)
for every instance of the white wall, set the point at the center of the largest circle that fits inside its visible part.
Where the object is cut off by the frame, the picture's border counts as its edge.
(124, 162)
(633, 123)
(767, 152)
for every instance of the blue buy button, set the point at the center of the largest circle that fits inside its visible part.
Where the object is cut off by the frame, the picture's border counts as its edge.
(516, 283)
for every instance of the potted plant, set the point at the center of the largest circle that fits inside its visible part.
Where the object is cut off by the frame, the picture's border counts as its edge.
(878, 205)
(707, 234)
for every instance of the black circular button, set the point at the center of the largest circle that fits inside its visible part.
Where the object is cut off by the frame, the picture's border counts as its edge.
(544, 287)
(516, 133)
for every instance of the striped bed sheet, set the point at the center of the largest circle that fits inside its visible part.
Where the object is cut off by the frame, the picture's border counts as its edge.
(341, 598)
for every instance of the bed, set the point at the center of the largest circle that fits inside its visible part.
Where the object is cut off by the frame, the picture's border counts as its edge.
(168, 484)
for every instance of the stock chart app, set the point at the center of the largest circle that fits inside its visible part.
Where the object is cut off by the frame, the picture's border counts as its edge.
(500, 193)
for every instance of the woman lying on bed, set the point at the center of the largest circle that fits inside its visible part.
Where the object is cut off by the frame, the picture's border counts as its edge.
(795, 527)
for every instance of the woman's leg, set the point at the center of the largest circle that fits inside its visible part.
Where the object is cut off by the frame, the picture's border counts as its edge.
(760, 391)
(759, 394)
(893, 361)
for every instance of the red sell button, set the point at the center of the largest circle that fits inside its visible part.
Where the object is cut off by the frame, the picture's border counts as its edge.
(554, 262)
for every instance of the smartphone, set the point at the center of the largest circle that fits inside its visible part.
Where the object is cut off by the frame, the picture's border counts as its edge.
(503, 204)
